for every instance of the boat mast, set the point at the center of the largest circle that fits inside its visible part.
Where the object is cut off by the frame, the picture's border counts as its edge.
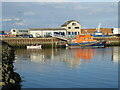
(98, 29)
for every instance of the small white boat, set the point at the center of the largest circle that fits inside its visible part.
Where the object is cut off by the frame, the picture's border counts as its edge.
(34, 47)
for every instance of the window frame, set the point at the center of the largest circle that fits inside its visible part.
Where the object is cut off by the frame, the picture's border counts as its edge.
(69, 27)
(73, 24)
(77, 28)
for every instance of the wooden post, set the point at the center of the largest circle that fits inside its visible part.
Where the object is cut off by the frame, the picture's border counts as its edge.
(52, 42)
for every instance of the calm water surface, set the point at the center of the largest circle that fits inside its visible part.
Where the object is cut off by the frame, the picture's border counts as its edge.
(68, 68)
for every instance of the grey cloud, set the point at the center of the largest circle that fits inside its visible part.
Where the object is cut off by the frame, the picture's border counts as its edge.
(54, 14)
(20, 23)
(60, 7)
(11, 19)
(29, 13)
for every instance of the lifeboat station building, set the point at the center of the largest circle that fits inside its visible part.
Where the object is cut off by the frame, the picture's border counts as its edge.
(69, 28)
(73, 27)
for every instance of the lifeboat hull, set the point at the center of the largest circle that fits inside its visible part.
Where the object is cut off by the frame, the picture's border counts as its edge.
(87, 44)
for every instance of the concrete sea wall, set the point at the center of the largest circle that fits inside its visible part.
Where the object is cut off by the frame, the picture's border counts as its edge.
(51, 42)
(113, 41)
(23, 42)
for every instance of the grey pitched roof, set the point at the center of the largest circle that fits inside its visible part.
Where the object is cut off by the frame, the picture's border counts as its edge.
(47, 29)
(66, 23)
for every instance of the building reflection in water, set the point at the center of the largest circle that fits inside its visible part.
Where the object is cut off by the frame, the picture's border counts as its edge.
(35, 55)
(115, 56)
(72, 57)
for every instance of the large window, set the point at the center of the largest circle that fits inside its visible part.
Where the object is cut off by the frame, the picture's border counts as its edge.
(25, 30)
(20, 30)
(69, 33)
(62, 33)
(69, 27)
(13, 30)
(56, 33)
(76, 27)
(75, 33)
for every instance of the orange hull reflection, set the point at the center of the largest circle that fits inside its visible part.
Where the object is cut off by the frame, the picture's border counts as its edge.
(86, 54)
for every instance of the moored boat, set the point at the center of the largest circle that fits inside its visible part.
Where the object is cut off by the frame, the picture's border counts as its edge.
(34, 47)
(87, 40)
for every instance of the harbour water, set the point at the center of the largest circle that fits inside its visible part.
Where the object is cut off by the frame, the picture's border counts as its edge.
(68, 68)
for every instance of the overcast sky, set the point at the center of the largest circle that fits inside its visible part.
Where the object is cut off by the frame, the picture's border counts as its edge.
(60, 0)
(54, 14)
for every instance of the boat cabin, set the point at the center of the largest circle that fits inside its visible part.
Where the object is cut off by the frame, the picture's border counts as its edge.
(83, 38)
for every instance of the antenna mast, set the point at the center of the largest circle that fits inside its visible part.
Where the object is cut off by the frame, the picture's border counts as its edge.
(98, 29)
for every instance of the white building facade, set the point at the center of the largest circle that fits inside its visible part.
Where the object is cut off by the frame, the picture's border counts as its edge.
(69, 28)
(73, 27)
(116, 30)
(36, 32)
(19, 31)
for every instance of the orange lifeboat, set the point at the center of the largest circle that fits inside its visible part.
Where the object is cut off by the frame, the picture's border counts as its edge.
(85, 40)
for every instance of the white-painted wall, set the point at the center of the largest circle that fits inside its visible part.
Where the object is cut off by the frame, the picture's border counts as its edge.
(73, 27)
(116, 30)
(17, 32)
(12, 31)
(34, 33)
(44, 32)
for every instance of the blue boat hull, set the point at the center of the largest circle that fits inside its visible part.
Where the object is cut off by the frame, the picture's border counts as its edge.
(87, 44)
(100, 35)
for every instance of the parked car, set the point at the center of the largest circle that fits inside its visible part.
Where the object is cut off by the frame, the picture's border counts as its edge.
(47, 36)
(30, 36)
(38, 36)
(24, 36)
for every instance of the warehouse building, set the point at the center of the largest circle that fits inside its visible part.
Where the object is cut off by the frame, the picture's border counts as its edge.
(105, 31)
(47, 32)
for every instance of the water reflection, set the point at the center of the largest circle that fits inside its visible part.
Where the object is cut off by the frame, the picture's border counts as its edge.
(73, 57)
(68, 67)
(116, 56)
(34, 55)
